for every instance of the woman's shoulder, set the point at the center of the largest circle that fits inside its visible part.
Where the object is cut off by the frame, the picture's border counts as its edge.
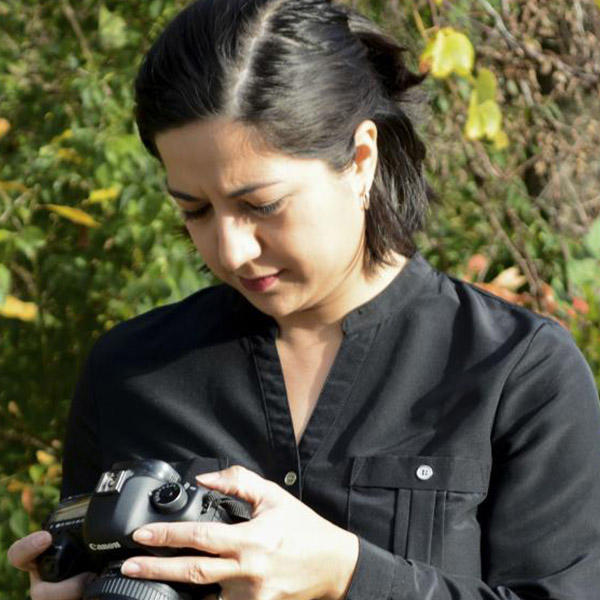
(471, 308)
(195, 320)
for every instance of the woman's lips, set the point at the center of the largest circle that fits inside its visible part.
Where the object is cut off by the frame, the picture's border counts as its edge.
(260, 284)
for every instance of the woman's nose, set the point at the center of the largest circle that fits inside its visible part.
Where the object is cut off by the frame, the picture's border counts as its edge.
(237, 243)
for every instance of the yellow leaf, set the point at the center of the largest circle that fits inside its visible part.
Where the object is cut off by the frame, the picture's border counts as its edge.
(8, 186)
(54, 471)
(483, 120)
(449, 51)
(473, 127)
(485, 85)
(491, 118)
(4, 127)
(45, 458)
(65, 135)
(459, 47)
(14, 485)
(103, 195)
(597, 3)
(13, 409)
(69, 154)
(73, 214)
(510, 279)
(13, 308)
(501, 140)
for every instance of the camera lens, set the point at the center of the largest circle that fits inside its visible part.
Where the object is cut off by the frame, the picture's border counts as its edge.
(169, 497)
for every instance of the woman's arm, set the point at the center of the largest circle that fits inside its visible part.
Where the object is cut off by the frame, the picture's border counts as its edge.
(541, 519)
(82, 462)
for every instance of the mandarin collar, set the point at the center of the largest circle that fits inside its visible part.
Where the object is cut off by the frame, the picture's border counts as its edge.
(399, 292)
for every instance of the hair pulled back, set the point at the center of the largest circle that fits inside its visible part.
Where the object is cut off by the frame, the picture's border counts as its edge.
(303, 74)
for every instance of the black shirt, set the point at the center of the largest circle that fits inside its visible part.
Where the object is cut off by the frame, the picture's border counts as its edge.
(456, 434)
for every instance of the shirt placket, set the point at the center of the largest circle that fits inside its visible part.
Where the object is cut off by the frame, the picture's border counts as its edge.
(290, 459)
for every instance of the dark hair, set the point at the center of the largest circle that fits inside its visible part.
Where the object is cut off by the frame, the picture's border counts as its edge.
(302, 74)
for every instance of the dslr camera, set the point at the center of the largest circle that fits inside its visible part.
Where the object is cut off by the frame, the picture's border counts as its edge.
(92, 532)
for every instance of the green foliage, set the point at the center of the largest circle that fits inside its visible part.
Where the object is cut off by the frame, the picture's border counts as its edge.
(89, 238)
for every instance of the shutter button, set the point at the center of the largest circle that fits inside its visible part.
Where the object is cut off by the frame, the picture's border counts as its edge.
(424, 472)
(290, 478)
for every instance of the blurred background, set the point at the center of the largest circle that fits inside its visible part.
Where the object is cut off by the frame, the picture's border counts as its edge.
(88, 236)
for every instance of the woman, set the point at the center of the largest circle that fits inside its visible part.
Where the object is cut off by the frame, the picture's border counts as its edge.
(399, 433)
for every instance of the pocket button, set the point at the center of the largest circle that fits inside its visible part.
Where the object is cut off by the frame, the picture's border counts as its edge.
(424, 472)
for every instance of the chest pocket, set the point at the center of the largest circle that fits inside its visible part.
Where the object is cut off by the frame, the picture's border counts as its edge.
(420, 507)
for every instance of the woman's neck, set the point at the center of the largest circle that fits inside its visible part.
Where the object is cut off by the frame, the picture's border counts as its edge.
(308, 329)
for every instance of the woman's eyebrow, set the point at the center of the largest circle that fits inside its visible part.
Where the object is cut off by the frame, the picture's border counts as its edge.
(247, 189)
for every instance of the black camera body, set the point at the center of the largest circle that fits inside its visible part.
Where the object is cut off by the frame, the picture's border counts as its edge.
(92, 532)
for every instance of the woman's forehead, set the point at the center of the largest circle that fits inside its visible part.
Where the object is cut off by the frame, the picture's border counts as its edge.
(223, 155)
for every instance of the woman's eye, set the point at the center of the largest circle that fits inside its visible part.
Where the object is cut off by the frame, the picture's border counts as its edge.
(192, 215)
(269, 208)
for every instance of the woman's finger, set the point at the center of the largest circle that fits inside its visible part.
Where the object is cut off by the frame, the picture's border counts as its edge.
(23, 552)
(213, 537)
(69, 589)
(190, 569)
(241, 482)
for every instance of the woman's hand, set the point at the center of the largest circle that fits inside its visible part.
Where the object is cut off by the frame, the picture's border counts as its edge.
(285, 551)
(22, 554)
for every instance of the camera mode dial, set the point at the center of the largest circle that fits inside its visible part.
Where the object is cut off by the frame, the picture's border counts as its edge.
(169, 498)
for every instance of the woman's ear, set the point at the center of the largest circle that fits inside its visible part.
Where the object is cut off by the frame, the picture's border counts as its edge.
(365, 158)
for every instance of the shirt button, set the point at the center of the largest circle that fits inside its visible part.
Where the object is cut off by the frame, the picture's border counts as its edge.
(424, 472)
(290, 478)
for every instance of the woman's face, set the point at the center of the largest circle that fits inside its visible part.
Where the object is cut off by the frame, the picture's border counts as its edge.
(312, 234)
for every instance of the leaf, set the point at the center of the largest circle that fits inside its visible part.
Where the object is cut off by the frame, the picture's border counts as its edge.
(13, 409)
(473, 127)
(510, 279)
(103, 195)
(5, 234)
(27, 499)
(491, 118)
(449, 51)
(19, 523)
(73, 214)
(29, 240)
(483, 119)
(67, 134)
(112, 29)
(459, 49)
(592, 239)
(8, 186)
(5, 279)
(4, 127)
(69, 155)
(13, 308)
(485, 85)
(501, 140)
(584, 271)
(500, 291)
(36, 472)
(45, 458)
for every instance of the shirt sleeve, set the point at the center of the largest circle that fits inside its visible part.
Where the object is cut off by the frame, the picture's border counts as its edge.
(540, 522)
(82, 463)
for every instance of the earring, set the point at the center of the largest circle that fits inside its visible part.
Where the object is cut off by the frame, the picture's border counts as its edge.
(366, 199)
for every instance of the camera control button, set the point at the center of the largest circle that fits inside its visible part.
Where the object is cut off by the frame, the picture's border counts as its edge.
(169, 497)
(290, 478)
(424, 472)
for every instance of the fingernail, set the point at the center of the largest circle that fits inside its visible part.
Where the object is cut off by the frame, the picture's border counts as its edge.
(142, 535)
(40, 539)
(130, 568)
(208, 477)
